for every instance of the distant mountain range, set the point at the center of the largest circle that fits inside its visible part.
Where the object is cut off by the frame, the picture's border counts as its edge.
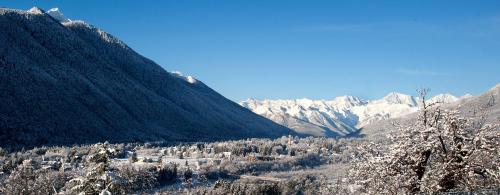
(68, 82)
(341, 116)
(489, 102)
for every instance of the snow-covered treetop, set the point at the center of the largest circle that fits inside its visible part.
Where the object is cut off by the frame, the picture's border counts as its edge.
(441, 151)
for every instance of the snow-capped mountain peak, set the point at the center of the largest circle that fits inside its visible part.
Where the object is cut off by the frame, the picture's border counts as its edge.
(443, 98)
(58, 15)
(340, 116)
(347, 101)
(399, 98)
(35, 10)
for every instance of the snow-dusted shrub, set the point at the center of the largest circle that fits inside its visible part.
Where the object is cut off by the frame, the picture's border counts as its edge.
(307, 160)
(39, 151)
(100, 157)
(303, 184)
(51, 181)
(3, 152)
(309, 185)
(209, 172)
(241, 187)
(300, 162)
(137, 179)
(167, 173)
(93, 181)
(28, 178)
(443, 151)
(133, 157)
(147, 160)
(278, 149)
(97, 175)
(99, 178)
(187, 175)
(8, 164)
(180, 155)
(264, 188)
(117, 151)
(306, 184)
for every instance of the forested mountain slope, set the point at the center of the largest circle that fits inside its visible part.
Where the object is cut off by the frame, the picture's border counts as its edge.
(67, 82)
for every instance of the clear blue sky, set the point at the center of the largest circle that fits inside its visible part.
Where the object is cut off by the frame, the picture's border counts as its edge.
(314, 49)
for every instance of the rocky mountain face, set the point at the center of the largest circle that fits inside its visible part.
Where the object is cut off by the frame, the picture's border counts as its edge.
(67, 82)
(342, 116)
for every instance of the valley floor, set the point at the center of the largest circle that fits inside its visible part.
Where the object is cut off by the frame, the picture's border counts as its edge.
(254, 165)
(286, 165)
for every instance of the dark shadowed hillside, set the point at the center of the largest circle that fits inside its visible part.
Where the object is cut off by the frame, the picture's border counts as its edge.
(65, 83)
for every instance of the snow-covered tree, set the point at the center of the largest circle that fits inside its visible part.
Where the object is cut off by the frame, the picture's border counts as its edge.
(442, 151)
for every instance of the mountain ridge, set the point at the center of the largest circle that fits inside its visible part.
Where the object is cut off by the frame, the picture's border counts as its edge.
(486, 102)
(70, 82)
(340, 116)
